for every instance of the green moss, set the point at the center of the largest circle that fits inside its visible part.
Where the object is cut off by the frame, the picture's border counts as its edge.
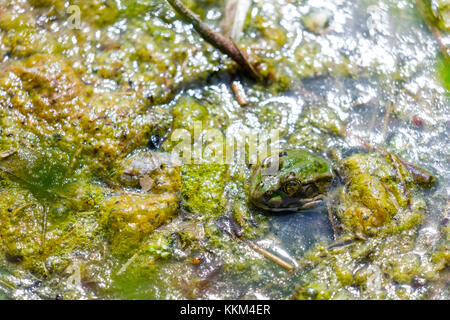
(129, 219)
(43, 173)
(36, 238)
(314, 291)
(100, 12)
(14, 21)
(326, 120)
(437, 13)
(82, 195)
(187, 111)
(314, 62)
(442, 13)
(441, 256)
(405, 267)
(25, 42)
(443, 68)
(364, 269)
(380, 196)
(203, 188)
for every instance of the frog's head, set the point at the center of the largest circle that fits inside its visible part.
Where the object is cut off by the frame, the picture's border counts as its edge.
(300, 183)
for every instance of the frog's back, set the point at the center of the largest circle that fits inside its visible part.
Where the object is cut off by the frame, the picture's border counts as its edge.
(303, 163)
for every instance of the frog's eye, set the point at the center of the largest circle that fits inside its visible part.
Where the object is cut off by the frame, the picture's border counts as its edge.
(291, 187)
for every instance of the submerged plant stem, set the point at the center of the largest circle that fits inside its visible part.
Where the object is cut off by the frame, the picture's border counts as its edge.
(225, 45)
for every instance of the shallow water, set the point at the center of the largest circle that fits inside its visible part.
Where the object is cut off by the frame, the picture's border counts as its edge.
(376, 68)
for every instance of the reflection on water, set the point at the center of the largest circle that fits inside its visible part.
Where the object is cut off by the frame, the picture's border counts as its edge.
(298, 231)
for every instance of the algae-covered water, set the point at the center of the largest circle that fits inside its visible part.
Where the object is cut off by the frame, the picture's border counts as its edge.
(95, 94)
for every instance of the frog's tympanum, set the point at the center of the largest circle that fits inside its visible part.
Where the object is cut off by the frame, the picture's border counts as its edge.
(377, 188)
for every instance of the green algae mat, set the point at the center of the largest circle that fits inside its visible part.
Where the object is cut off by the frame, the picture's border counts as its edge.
(139, 162)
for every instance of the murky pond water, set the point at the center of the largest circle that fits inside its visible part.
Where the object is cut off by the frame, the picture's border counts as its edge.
(85, 100)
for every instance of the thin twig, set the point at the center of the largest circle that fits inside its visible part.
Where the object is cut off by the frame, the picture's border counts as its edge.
(225, 45)
(129, 261)
(74, 159)
(44, 229)
(386, 119)
(5, 284)
(239, 93)
(332, 222)
(400, 178)
(270, 256)
(264, 252)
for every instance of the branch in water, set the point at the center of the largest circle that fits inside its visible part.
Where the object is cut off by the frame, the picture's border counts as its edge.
(225, 45)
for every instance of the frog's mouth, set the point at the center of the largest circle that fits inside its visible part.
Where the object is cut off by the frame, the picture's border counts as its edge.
(297, 205)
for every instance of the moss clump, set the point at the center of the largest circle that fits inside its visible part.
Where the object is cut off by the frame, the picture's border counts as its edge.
(380, 196)
(39, 238)
(82, 195)
(104, 127)
(203, 188)
(101, 13)
(187, 111)
(129, 219)
(379, 268)
(23, 39)
(326, 120)
(314, 62)
(443, 70)
(405, 267)
(378, 205)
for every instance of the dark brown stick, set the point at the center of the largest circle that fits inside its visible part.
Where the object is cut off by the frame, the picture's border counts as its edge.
(225, 45)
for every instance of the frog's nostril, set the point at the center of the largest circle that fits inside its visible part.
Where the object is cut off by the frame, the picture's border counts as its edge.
(268, 195)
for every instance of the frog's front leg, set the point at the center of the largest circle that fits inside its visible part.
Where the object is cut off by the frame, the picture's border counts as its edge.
(312, 202)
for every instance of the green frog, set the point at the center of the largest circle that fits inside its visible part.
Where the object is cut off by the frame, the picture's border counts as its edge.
(378, 189)
(300, 183)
